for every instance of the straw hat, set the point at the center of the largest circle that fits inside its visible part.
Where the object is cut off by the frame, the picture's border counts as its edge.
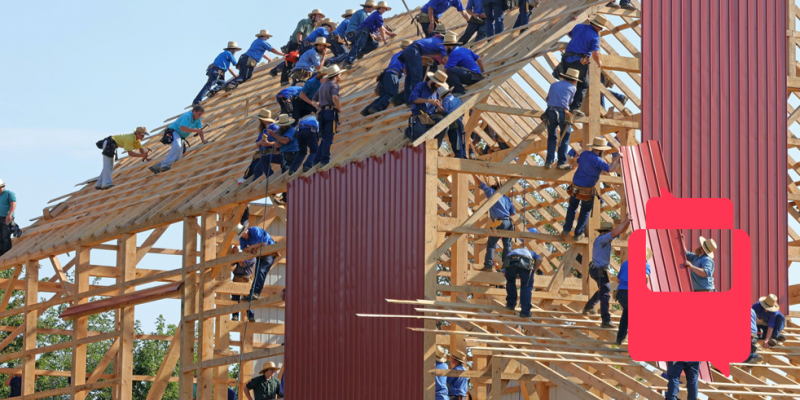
(263, 32)
(321, 40)
(444, 91)
(769, 302)
(600, 144)
(599, 21)
(316, 11)
(440, 29)
(284, 120)
(239, 230)
(572, 73)
(348, 13)
(440, 78)
(383, 4)
(268, 366)
(368, 3)
(709, 246)
(2, 184)
(332, 71)
(649, 254)
(451, 38)
(405, 43)
(459, 356)
(441, 353)
(265, 115)
(232, 46)
(141, 130)
(329, 22)
(605, 226)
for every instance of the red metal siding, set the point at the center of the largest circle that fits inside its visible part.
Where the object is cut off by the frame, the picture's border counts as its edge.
(714, 95)
(356, 238)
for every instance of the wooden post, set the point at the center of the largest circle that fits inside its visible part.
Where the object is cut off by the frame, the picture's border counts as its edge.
(459, 255)
(222, 327)
(188, 306)
(206, 326)
(431, 234)
(497, 383)
(591, 133)
(29, 336)
(81, 324)
(126, 260)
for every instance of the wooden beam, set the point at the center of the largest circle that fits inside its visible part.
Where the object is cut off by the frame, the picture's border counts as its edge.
(10, 288)
(60, 275)
(29, 335)
(188, 306)
(110, 355)
(127, 258)
(619, 63)
(81, 324)
(208, 242)
(517, 171)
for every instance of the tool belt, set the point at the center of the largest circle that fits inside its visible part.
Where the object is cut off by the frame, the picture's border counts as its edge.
(335, 38)
(213, 70)
(581, 193)
(109, 147)
(423, 18)
(241, 278)
(458, 397)
(246, 60)
(167, 137)
(268, 150)
(300, 75)
(426, 119)
(476, 20)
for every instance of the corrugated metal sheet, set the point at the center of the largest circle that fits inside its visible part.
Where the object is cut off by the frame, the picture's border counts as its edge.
(356, 238)
(644, 172)
(714, 94)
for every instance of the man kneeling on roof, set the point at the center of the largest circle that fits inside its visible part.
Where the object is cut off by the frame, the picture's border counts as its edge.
(242, 273)
(251, 240)
(129, 142)
(177, 133)
(769, 320)
(425, 104)
(520, 263)
(265, 386)
(598, 269)
(388, 82)
(463, 66)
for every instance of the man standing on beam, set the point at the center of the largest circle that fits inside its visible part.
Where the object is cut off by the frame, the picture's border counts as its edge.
(598, 269)
(584, 43)
(500, 214)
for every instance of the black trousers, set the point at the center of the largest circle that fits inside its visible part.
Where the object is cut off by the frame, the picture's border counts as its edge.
(582, 86)
(5, 236)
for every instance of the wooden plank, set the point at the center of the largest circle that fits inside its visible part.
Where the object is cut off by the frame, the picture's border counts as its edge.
(127, 258)
(618, 63)
(29, 335)
(80, 324)
(208, 243)
(431, 261)
(130, 299)
(188, 306)
(10, 288)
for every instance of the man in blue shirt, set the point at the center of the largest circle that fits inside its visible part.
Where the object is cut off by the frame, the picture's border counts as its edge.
(326, 27)
(179, 130)
(455, 131)
(285, 99)
(257, 51)
(434, 10)
(285, 135)
(14, 382)
(216, 71)
(242, 273)
(310, 61)
(266, 150)
(8, 206)
(674, 370)
(769, 320)
(601, 261)
(356, 20)
(520, 263)
(425, 100)
(494, 16)
(441, 381)
(622, 296)
(388, 83)
(701, 264)
(308, 142)
(458, 386)
(304, 103)
(584, 44)
(501, 213)
(412, 57)
(337, 38)
(251, 240)
(582, 192)
(463, 66)
(476, 23)
(754, 357)
(364, 40)
(559, 97)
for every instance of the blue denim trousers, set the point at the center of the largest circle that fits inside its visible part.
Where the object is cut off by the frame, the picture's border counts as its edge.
(263, 266)
(692, 371)
(388, 87)
(215, 77)
(525, 287)
(583, 217)
(328, 120)
(491, 244)
(471, 29)
(364, 43)
(556, 119)
(622, 299)
(309, 143)
(494, 16)
(245, 71)
(413, 60)
(603, 293)
(524, 14)
(780, 323)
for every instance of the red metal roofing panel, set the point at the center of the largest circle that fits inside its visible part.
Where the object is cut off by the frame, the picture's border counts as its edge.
(644, 172)
(356, 238)
(713, 95)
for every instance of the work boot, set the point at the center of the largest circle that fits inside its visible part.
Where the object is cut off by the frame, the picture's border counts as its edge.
(373, 110)
(510, 307)
(607, 325)
(165, 169)
(365, 112)
(306, 169)
(273, 72)
(250, 297)
(565, 232)
(565, 167)
(629, 7)
(154, 169)
(284, 83)
(98, 188)
(108, 187)
(755, 359)
(347, 65)
(251, 319)
(578, 113)
(525, 314)
(580, 236)
(772, 342)
(548, 165)
(589, 311)
(624, 99)
(613, 4)
(781, 338)
(234, 317)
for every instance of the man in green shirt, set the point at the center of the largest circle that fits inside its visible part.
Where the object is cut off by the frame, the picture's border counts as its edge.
(303, 29)
(265, 386)
(8, 204)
